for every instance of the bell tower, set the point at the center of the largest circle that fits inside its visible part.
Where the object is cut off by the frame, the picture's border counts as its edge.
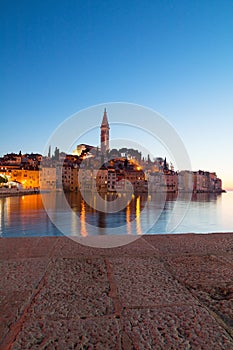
(104, 133)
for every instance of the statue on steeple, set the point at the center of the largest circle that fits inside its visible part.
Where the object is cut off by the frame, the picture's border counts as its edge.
(104, 133)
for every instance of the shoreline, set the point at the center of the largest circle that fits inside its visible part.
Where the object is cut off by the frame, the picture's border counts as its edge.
(16, 192)
(21, 192)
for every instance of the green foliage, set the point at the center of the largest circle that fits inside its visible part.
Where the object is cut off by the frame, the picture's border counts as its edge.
(3, 179)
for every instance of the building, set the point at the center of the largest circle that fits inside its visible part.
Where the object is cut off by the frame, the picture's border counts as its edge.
(48, 178)
(112, 178)
(171, 179)
(205, 181)
(104, 133)
(185, 181)
(66, 178)
(27, 178)
(102, 179)
(163, 182)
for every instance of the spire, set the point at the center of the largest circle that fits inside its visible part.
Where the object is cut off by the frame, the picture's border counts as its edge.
(104, 133)
(105, 119)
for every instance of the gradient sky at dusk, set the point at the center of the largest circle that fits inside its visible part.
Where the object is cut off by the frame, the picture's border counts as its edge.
(176, 57)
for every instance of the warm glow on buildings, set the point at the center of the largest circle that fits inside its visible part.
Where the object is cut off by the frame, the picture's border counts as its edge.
(27, 178)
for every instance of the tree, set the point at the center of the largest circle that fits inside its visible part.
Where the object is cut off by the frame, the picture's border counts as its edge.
(3, 179)
(126, 163)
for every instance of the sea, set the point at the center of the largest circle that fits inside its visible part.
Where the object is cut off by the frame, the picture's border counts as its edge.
(30, 215)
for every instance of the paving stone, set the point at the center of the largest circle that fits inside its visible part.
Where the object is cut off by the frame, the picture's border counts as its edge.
(74, 288)
(192, 243)
(218, 298)
(12, 305)
(144, 281)
(23, 274)
(16, 247)
(228, 258)
(70, 274)
(45, 246)
(30, 247)
(99, 334)
(89, 301)
(69, 248)
(178, 244)
(196, 269)
(174, 327)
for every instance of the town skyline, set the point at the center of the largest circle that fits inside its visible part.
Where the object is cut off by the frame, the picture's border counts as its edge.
(100, 168)
(104, 147)
(175, 58)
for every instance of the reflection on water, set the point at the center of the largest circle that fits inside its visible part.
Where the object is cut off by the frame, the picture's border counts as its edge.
(84, 232)
(25, 215)
(88, 215)
(138, 215)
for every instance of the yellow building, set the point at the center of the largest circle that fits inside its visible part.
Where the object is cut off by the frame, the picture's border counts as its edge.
(27, 178)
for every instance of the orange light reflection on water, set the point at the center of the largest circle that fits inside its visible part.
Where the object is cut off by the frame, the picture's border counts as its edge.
(84, 232)
(129, 230)
(138, 214)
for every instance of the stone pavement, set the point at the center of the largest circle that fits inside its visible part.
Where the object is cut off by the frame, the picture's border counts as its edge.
(159, 292)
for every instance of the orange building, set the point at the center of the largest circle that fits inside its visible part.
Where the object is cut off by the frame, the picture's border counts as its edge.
(27, 178)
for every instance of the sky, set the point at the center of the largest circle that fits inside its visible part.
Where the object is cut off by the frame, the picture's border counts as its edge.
(175, 57)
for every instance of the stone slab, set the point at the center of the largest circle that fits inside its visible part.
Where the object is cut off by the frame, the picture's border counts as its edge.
(97, 333)
(74, 289)
(207, 269)
(145, 282)
(23, 274)
(192, 243)
(67, 247)
(174, 327)
(28, 247)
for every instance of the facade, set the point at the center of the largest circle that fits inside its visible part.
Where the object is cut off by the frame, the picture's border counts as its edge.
(112, 179)
(70, 179)
(29, 179)
(185, 181)
(48, 179)
(163, 182)
(85, 179)
(205, 181)
(102, 179)
(171, 181)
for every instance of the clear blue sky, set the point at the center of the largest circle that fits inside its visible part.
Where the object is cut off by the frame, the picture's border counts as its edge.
(176, 57)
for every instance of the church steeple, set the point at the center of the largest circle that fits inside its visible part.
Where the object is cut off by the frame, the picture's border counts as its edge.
(104, 133)
(105, 119)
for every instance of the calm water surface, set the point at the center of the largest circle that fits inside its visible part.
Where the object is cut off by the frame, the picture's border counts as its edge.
(26, 216)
